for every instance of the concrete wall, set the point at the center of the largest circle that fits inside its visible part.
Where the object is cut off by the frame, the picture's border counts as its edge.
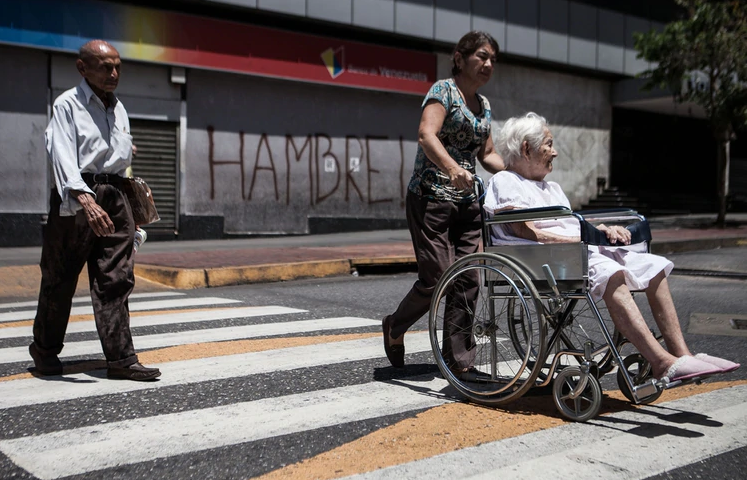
(23, 118)
(283, 152)
(23, 163)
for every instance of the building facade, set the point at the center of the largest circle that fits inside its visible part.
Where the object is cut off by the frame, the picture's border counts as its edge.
(256, 117)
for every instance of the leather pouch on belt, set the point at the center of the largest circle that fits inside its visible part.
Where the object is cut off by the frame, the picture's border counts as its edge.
(141, 200)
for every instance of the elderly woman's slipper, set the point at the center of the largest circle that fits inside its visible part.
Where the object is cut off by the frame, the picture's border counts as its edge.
(725, 365)
(687, 367)
(394, 352)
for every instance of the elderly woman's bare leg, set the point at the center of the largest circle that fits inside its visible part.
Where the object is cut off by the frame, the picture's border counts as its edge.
(665, 315)
(630, 322)
(662, 306)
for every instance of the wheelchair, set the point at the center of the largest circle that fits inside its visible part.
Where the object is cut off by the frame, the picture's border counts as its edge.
(524, 315)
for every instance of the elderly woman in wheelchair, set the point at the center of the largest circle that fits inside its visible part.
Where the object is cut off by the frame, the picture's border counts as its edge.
(545, 265)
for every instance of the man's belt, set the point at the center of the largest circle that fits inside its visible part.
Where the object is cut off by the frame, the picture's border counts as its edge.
(107, 178)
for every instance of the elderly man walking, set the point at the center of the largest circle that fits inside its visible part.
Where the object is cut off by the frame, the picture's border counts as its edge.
(90, 220)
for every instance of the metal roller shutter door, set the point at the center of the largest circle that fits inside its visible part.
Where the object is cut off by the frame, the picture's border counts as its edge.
(155, 162)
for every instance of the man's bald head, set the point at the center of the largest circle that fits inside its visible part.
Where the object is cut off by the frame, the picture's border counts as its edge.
(94, 49)
(99, 63)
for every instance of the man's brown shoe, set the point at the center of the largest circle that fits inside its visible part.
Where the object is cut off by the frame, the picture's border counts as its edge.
(136, 371)
(394, 352)
(45, 364)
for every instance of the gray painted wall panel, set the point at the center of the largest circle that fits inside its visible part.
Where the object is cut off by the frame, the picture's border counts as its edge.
(378, 14)
(452, 20)
(634, 65)
(610, 58)
(292, 7)
(521, 40)
(490, 16)
(523, 12)
(554, 16)
(489, 9)
(582, 53)
(583, 21)
(553, 46)
(414, 17)
(553, 35)
(611, 46)
(522, 27)
(241, 3)
(611, 28)
(340, 11)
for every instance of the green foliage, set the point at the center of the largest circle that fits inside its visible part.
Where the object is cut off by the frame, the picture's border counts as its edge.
(702, 58)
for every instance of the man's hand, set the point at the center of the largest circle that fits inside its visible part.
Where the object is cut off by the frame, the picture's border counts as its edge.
(97, 218)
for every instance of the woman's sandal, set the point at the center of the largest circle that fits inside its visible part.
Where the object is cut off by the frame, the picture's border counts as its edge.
(394, 352)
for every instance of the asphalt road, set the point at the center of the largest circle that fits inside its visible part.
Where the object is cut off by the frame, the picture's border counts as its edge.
(289, 380)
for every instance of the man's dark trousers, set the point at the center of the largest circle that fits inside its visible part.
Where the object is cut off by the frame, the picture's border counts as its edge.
(69, 242)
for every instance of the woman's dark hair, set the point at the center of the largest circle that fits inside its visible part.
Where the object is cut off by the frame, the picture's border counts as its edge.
(469, 44)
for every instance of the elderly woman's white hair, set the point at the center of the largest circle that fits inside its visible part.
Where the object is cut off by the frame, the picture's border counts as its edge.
(530, 128)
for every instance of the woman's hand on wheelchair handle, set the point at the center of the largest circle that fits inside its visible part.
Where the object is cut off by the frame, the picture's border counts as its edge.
(460, 178)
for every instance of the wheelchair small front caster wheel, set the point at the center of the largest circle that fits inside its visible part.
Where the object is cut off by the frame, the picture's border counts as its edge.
(575, 400)
(639, 371)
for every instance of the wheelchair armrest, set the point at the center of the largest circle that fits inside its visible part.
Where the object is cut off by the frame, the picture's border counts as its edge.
(529, 214)
(611, 214)
(640, 232)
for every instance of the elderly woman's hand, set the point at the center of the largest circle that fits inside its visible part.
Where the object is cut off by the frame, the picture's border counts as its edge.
(616, 234)
(460, 178)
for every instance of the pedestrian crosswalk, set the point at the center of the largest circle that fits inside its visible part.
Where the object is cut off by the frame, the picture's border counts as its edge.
(70, 450)
(245, 382)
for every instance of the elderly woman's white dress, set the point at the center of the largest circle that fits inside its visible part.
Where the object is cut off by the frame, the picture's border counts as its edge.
(509, 190)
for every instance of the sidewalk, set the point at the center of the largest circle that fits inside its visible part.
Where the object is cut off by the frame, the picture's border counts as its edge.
(214, 263)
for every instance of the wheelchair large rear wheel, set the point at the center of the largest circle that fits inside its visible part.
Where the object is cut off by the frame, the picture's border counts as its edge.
(469, 326)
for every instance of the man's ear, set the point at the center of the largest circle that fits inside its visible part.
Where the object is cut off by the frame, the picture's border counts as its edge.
(81, 66)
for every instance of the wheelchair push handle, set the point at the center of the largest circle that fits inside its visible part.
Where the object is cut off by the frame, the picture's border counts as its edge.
(479, 185)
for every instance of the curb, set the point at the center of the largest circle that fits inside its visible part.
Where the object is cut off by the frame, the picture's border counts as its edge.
(691, 245)
(191, 278)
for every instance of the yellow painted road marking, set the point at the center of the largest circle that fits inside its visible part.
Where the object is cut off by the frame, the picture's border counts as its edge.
(452, 427)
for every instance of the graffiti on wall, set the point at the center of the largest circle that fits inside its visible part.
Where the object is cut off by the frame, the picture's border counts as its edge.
(260, 164)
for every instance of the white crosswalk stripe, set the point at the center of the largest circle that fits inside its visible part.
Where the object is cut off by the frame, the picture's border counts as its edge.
(167, 319)
(134, 296)
(134, 307)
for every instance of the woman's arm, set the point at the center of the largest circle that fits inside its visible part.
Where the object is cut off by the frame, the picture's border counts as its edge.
(489, 157)
(529, 231)
(431, 122)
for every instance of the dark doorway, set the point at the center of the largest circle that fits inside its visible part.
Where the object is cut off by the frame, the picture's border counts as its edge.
(668, 162)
